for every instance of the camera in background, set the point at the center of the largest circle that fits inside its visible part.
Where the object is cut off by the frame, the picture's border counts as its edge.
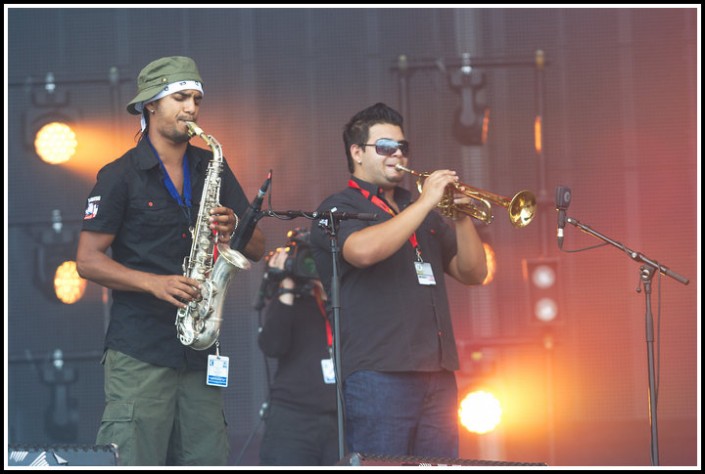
(299, 265)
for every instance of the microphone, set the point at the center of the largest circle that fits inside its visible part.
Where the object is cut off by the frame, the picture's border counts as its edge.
(249, 221)
(563, 197)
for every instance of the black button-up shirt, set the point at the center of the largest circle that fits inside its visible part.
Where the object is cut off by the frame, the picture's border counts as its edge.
(388, 321)
(131, 201)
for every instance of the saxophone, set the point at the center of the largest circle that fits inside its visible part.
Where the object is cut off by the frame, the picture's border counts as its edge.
(198, 324)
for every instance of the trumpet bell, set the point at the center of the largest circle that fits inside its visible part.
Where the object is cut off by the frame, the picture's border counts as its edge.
(522, 208)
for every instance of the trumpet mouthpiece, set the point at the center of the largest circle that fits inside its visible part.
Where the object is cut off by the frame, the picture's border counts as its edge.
(400, 167)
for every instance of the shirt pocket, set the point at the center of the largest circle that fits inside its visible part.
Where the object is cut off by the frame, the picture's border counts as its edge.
(153, 219)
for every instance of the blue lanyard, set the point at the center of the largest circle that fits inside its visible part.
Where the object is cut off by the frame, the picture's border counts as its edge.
(186, 207)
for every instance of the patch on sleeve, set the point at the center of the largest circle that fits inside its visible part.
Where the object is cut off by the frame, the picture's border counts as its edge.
(92, 208)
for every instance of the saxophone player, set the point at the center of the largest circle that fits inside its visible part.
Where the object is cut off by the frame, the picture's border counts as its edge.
(159, 410)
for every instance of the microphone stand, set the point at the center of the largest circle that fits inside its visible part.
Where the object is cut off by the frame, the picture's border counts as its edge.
(332, 231)
(646, 273)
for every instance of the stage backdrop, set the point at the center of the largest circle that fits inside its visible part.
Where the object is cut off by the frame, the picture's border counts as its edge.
(615, 90)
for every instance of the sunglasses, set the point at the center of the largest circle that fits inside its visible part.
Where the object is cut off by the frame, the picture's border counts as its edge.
(387, 146)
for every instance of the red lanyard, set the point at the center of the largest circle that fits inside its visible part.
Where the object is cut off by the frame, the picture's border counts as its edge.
(319, 300)
(383, 205)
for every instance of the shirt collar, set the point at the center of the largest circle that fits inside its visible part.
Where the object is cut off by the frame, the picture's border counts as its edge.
(147, 160)
(401, 195)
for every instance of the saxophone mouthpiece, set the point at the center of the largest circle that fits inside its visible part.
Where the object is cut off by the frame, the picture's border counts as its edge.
(193, 129)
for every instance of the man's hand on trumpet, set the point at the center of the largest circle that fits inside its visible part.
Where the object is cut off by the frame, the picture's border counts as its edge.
(460, 201)
(434, 186)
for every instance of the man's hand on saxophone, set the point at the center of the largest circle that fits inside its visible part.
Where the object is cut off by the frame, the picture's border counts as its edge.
(224, 221)
(94, 264)
(176, 289)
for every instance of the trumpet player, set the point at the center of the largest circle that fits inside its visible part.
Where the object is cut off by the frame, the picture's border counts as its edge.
(398, 351)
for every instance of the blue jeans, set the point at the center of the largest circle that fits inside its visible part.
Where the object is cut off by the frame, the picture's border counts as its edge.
(402, 413)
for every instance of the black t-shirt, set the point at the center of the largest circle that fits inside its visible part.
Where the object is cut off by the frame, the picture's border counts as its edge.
(296, 336)
(131, 201)
(388, 321)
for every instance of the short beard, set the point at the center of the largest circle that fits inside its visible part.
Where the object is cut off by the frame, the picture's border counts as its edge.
(179, 137)
(182, 138)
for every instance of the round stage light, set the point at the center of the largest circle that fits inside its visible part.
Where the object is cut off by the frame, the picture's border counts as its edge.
(69, 287)
(480, 412)
(55, 143)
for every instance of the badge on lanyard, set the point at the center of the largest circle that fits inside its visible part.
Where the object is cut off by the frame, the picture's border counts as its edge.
(217, 373)
(328, 370)
(424, 273)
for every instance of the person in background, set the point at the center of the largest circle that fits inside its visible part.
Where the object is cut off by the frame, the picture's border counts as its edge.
(159, 409)
(398, 350)
(301, 427)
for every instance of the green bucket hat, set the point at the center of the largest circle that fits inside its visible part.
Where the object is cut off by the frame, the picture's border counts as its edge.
(160, 73)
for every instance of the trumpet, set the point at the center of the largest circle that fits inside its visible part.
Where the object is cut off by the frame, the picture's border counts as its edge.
(521, 208)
